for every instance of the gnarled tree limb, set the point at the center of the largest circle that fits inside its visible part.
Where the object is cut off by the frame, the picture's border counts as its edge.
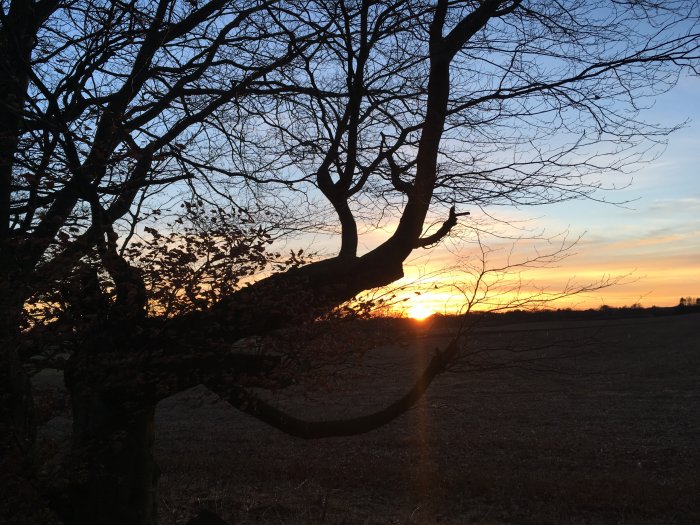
(450, 223)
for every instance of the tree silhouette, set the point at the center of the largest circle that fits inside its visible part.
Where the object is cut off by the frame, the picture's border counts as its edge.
(308, 116)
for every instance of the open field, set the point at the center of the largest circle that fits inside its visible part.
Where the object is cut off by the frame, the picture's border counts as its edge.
(611, 436)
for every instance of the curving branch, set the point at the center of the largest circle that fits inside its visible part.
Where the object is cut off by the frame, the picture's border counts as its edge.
(396, 181)
(253, 405)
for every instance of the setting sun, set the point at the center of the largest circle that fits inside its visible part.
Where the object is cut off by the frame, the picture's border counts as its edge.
(420, 311)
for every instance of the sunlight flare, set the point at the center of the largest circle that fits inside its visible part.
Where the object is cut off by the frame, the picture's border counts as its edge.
(420, 311)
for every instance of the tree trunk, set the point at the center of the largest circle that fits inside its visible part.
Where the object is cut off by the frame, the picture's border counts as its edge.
(17, 481)
(20, 500)
(113, 453)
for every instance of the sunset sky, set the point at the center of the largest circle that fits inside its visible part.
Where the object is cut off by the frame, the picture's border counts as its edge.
(654, 240)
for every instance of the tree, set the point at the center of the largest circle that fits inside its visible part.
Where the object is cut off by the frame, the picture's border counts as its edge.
(689, 301)
(102, 104)
(401, 110)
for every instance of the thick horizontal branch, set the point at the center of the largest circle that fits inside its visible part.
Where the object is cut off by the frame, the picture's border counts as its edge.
(133, 379)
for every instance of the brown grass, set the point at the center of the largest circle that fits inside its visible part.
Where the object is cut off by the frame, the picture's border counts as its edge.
(613, 436)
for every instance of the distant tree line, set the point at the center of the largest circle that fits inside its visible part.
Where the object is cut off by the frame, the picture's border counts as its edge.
(689, 301)
(636, 310)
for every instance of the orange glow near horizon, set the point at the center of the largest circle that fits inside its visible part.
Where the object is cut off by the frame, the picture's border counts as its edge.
(650, 284)
(635, 292)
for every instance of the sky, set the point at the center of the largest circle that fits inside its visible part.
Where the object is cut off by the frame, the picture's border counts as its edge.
(650, 247)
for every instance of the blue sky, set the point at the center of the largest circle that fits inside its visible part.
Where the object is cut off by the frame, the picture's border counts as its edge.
(657, 235)
(653, 240)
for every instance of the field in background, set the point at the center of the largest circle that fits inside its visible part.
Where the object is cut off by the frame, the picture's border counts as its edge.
(611, 436)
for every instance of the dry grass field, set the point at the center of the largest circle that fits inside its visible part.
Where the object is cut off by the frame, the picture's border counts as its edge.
(599, 423)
